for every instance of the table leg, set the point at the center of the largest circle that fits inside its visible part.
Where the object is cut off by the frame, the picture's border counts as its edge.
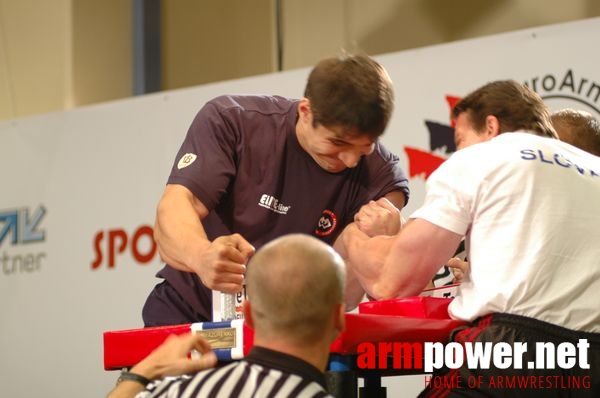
(372, 387)
(342, 381)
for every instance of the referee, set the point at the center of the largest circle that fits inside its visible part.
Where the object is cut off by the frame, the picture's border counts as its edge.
(295, 287)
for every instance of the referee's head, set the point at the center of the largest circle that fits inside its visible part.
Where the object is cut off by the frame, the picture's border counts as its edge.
(295, 286)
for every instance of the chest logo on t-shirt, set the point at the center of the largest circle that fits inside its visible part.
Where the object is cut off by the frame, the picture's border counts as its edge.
(273, 204)
(186, 160)
(327, 223)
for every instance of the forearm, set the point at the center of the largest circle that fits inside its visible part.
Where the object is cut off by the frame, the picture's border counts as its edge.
(414, 258)
(180, 247)
(402, 277)
(362, 269)
(354, 291)
(365, 257)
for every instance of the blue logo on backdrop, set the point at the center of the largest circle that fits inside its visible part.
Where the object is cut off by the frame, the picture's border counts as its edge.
(19, 227)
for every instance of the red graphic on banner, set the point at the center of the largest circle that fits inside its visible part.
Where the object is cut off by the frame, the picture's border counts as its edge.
(116, 242)
(422, 162)
(441, 139)
(452, 100)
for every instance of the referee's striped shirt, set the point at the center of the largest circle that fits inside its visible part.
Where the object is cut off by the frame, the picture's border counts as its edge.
(263, 373)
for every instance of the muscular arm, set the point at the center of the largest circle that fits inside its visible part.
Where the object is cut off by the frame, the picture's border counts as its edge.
(178, 230)
(399, 266)
(183, 244)
(354, 289)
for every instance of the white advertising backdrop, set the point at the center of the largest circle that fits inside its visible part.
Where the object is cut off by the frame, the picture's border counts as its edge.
(79, 190)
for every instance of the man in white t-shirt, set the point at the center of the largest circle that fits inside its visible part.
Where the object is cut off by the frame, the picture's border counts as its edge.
(527, 206)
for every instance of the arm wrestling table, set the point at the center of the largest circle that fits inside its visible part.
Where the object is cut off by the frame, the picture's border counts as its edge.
(412, 320)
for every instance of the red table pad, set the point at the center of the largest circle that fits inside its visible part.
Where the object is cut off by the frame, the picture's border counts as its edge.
(412, 319)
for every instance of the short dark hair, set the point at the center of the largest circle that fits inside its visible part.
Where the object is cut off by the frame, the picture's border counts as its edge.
(578, 128)
(516, 106)
(351, 91)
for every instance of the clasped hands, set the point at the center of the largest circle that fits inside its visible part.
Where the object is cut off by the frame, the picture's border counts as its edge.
(381, 217)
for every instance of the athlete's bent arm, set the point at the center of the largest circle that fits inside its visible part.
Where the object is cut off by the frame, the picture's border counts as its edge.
(402, 265)
(388, 222)
(182, 242)
(178, 230)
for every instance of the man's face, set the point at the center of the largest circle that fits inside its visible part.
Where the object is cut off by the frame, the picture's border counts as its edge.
(465, 134)
(335, 149)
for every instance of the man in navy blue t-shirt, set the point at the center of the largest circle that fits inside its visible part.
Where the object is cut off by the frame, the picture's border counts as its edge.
(253, 168)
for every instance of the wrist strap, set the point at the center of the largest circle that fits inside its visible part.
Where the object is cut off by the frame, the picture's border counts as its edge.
(133, 377)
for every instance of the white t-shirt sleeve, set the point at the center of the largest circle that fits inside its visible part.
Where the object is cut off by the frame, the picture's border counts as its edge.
(449, 198)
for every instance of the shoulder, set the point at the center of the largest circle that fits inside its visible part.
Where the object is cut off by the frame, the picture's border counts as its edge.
(251, 103)
(382, 162)
(381, 156)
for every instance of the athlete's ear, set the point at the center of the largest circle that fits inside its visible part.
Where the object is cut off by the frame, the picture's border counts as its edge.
(304, 110)
(492, 126)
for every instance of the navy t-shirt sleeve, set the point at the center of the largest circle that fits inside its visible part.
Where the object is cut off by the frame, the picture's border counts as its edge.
(389, 176)
(206, 161)
(384, 175)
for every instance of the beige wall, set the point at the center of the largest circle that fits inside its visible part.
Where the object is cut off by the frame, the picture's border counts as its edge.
(315, 27)
(101, 48)
(212, 40)
(35, 56)
(58, 54)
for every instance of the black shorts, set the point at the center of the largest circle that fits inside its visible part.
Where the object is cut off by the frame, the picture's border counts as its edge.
(578, 381)
(165, 306)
